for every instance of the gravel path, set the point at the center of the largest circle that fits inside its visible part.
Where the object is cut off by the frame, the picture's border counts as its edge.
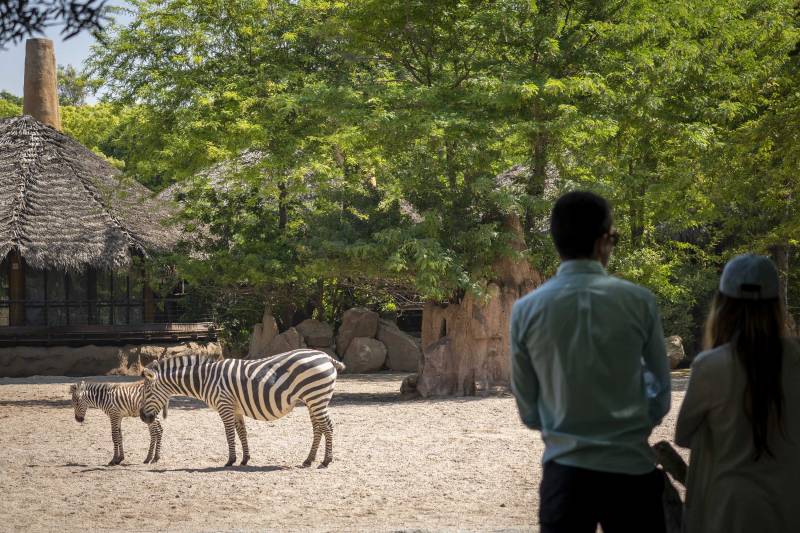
(465, 464)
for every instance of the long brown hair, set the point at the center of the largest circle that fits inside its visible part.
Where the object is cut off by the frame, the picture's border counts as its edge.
(754, 328)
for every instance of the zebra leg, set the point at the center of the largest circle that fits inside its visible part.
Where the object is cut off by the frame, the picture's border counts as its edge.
(315, 424)
(327, 428)
(116, 436)
(159, 433)
(155, 441)
(229, 421)
(242, 431)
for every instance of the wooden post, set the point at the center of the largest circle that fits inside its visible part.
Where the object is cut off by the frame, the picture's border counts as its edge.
(16, 288)
(41, 86)
(149, 302)
(91, 296)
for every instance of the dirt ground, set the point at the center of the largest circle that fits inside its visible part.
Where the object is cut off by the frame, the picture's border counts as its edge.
(465, 464)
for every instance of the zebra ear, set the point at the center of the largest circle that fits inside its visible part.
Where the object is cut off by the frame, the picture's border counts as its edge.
(148, 374)
(73, 387)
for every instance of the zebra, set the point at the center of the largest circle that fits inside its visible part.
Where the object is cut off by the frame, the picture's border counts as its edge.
(117, 401)
(263, 389)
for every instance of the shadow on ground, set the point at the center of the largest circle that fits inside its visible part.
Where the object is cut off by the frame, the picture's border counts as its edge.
(211, 469)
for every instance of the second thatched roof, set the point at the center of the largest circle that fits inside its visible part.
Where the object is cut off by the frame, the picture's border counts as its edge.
(65, 208)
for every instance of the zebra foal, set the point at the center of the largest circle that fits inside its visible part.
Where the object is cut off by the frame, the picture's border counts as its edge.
(117, 401)
(263, 389)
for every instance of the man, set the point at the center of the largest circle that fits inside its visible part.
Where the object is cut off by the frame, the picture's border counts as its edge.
(589, 370)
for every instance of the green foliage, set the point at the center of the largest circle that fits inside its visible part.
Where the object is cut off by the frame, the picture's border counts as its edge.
(73, 87)
(385, 125)
(10, 105)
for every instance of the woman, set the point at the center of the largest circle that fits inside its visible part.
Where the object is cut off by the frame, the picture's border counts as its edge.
(741, 413)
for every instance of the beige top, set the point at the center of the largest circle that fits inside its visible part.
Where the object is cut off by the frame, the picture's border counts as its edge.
(727, 491)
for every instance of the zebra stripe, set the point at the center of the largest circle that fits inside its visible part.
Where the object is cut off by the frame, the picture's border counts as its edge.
(117, 401)
(263, 389)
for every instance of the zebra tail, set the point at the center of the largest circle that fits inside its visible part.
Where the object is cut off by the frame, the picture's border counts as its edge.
(338, 365)
(164, 412)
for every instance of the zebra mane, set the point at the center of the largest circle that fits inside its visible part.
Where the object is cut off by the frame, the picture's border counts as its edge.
(160, 365)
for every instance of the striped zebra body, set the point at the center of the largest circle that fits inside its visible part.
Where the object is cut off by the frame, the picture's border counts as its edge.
(263, 389)
(117, 401)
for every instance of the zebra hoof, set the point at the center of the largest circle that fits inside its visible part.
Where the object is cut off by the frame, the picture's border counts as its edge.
(244, 460)
(230, 462)
(305, 464)
(147, 460)
(155, 459)
(112, 462)
(324, 464)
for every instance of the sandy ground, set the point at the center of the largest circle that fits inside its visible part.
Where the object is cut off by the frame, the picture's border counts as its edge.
(465, 464)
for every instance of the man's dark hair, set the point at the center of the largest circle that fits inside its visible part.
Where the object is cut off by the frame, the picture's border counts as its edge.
(579, 218)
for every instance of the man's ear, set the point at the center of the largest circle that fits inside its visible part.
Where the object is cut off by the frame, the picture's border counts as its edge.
(148, 374)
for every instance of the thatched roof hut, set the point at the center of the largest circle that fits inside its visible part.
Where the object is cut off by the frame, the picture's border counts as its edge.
(70, 225)
(65, 208)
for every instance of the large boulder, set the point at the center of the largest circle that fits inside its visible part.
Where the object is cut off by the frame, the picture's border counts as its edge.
(356, 322)
(440, 369)
(317, 334)
(364, 354)
(675, 352)
(402, 350)
(285, 342)
(262, 336)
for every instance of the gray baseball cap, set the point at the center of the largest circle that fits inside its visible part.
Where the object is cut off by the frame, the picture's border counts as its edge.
(749, 277)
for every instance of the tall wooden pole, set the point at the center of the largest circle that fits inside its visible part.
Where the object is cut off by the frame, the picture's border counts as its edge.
(16, 288)
(40, 93)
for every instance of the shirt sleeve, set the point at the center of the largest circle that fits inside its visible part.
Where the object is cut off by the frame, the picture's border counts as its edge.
(695, 406)
(524, 382)
(657, 364)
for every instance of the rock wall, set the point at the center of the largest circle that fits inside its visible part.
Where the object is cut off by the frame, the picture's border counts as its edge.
(364, 342)
(92, 360)
(466, 345)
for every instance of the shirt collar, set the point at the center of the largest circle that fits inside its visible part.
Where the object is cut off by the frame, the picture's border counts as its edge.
(581, 266)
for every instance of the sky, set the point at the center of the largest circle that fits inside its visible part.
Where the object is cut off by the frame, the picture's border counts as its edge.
(12, 59)
(71, 52)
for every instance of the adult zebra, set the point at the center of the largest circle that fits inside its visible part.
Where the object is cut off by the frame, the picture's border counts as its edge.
(264, 389)
(117, 401)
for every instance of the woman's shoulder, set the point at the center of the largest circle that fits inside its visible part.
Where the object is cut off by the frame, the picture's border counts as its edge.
(721, 355)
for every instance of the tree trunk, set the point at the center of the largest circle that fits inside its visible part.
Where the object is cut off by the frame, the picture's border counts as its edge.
(780, 255)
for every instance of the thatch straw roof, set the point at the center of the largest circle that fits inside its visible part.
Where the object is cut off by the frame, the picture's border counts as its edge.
(65, 208)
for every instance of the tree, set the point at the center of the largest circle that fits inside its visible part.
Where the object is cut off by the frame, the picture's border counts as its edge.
(20, 18)
(10, 105)
(388, 127)
(73, 87)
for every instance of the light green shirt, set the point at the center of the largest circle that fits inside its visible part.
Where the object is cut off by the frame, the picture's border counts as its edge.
(589, 368)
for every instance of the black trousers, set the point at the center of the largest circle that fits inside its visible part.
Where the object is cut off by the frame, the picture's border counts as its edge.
(574, 500)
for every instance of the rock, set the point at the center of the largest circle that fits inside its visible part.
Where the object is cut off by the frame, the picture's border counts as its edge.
(402, 350)
(364, 354)
(438, 371)
(285, 342)
(91, 360)
(408, 388)
(317, 334)
(330, 351)
(262, 336)
(356, 322)
(675, 353)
